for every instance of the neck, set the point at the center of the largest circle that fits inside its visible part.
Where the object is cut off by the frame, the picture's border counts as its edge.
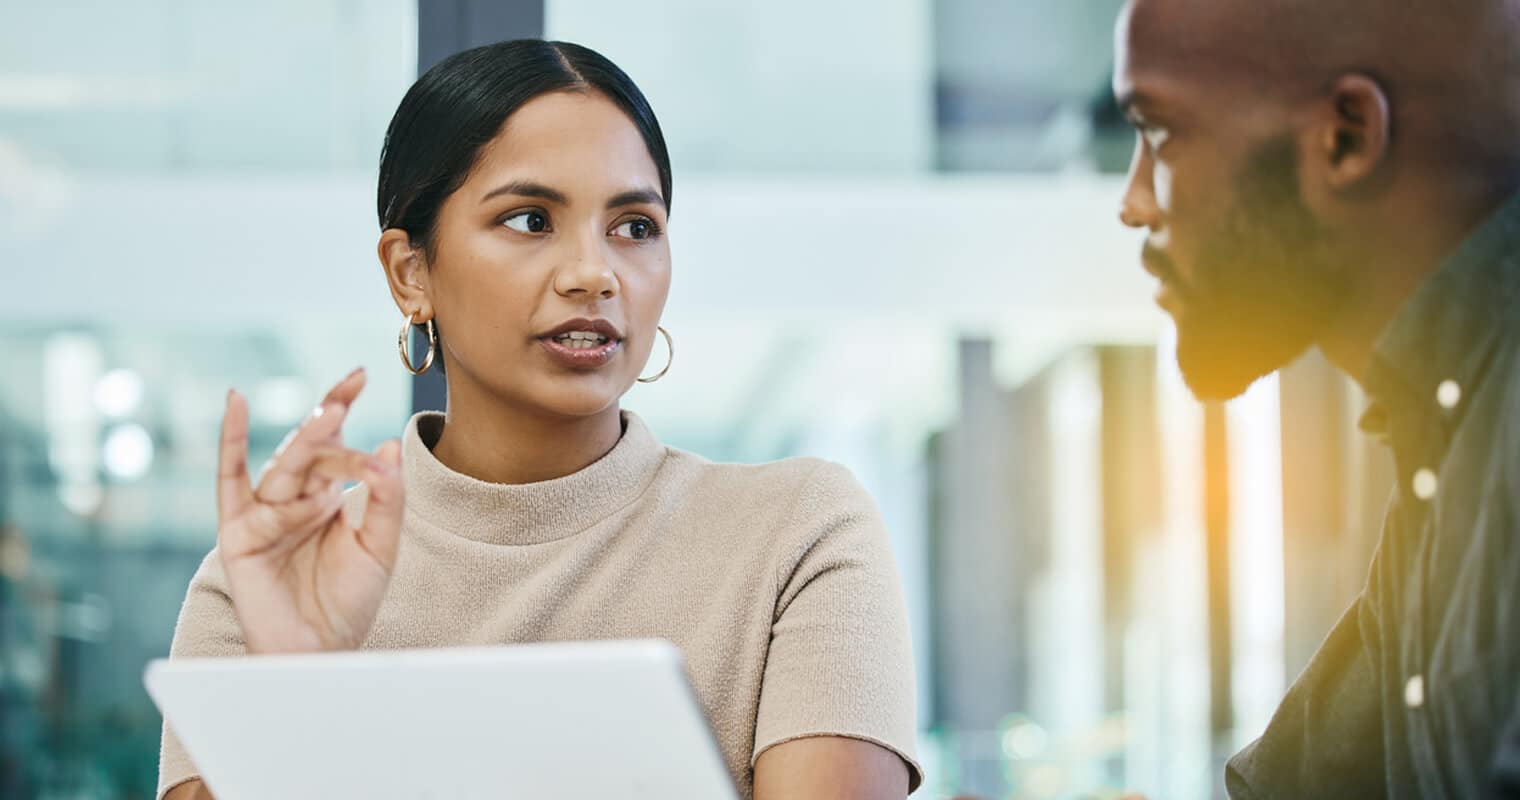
(495, 442)
(1398, 253)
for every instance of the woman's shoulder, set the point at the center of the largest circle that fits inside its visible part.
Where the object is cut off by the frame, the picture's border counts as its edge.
(788, 476)
(803, 494)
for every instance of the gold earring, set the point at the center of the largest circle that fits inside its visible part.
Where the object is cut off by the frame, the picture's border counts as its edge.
(670, 345)
(404, 341)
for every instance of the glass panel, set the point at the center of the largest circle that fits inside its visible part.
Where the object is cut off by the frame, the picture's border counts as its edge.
(184, 189)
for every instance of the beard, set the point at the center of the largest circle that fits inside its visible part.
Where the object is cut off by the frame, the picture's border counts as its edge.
(1265, 283)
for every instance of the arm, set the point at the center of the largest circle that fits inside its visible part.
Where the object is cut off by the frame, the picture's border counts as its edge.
(190, 790)
(836, 711)
(830, 768)
(1326, 738)
(289, 572)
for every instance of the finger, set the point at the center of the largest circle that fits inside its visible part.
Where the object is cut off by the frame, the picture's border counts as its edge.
(344, 393)
(286, 475)
(333, 467)
(380, 532)
(347, 390)
(288, 525)
(233, 490)
(318, 484)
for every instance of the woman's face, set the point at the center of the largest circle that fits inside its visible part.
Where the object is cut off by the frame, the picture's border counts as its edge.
(550, 266)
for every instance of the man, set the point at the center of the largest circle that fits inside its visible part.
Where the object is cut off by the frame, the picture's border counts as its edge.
(1346, 174)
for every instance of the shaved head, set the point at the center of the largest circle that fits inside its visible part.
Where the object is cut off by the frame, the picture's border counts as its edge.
(1302, 165)
(1450, 67)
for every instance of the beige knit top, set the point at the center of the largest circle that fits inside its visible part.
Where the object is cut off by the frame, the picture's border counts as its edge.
(776, 581)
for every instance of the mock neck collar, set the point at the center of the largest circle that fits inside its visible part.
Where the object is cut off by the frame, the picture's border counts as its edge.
(529, 513)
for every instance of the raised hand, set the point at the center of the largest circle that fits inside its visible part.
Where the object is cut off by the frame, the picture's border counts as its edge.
(301, 576)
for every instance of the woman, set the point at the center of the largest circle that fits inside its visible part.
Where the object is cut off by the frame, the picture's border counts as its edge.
(523, 195)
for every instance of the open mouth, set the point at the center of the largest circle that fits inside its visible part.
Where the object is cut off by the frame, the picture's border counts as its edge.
(581, 340)
(583, 344)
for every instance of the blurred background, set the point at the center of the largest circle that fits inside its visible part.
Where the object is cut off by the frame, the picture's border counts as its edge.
(896, 246)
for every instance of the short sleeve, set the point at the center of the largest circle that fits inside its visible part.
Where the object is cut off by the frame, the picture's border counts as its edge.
(1326, 738)
(207, 627)
(840, 660)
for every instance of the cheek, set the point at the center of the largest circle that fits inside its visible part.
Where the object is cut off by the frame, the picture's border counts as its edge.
(490, 286)
(646, 284)
(1161, 184)
(1190, 210)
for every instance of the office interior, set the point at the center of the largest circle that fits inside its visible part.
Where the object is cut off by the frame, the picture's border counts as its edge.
(895, 246)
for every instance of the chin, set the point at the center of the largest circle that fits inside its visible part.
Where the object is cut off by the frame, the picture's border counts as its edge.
(1216, 386)
(1218, 366)
(588, 399)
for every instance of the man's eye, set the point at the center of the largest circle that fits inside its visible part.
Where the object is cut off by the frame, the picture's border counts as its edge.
(1155, 136)
(527, 222)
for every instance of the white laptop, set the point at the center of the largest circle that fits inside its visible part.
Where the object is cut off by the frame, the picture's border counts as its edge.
(584, 720)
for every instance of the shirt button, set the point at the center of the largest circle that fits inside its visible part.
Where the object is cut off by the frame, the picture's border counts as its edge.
(1449, 394)
(1414, 692)
(1425, 484)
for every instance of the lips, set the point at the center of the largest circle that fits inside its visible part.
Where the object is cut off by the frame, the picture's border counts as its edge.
(1160, 265)
(601, 327)
(583, 344)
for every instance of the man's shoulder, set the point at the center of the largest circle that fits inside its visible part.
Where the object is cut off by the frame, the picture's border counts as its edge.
(1507, 435)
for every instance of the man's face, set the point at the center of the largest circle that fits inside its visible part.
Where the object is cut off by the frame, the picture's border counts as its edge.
(1245, 269)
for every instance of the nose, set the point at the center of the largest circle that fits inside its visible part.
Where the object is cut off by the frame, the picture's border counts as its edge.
(586, 272)
(1138, 208)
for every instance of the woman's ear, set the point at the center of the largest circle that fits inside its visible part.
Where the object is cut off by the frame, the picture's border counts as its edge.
(406, 273)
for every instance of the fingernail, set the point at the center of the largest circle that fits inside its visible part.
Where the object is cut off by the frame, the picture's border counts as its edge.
(355, 372)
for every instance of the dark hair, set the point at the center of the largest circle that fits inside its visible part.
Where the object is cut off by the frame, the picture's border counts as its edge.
(459, 105)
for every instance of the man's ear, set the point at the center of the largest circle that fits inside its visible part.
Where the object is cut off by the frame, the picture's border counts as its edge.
(1351, 132)
(406, 272)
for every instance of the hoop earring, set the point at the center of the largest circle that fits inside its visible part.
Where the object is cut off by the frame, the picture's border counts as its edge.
(670, 345)
(403, 343)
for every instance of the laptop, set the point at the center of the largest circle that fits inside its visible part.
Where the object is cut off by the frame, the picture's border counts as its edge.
(582, 720)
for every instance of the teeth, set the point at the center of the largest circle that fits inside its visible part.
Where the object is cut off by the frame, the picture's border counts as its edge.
(581, 340)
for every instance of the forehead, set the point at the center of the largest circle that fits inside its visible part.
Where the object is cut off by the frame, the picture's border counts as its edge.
(1173, 50)
(570, 137)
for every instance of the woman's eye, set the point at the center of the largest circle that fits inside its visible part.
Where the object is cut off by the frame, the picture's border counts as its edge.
(637, 229)
(527, 222)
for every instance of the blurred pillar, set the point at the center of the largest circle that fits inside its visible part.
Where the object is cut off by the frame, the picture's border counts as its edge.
(1131, 495)
(1336, 483)
(977, 574)
(1043, 497)
(445, 27)
(1216, 515)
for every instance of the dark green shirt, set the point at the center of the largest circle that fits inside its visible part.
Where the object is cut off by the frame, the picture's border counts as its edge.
(1414, 692)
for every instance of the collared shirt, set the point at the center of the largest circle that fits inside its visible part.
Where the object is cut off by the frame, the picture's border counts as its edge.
(1414, 692)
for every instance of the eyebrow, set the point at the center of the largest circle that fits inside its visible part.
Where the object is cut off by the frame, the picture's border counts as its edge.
(635, 197)
(527, 189)
(630, 197)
